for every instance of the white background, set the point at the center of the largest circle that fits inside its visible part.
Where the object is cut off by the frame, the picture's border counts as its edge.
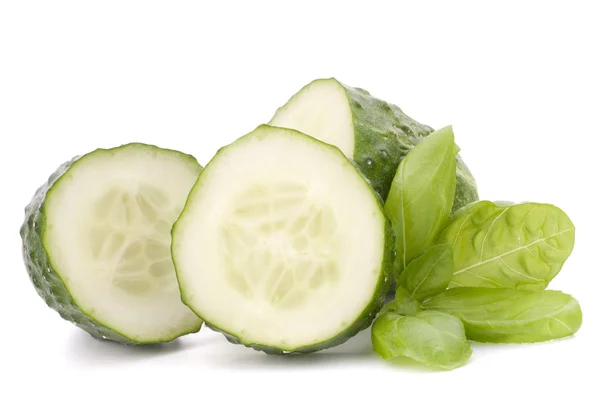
(518, 81)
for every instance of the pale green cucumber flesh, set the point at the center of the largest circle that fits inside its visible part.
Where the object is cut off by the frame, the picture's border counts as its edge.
(282, 245)
(137, 280)
(377, 135)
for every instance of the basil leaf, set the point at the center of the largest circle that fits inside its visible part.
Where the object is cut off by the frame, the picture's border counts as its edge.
(402, 304)
(430, 337)
(430, 273)
(421, 196)
(510, 315)
(519, 246)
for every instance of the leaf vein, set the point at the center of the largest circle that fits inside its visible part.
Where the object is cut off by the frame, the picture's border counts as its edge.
(461, 227)
(488, 232)
(509, 252)
(520, 273)
(428, 274)
(563, 324)
(524, 221)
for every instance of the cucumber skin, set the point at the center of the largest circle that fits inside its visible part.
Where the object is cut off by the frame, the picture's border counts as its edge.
(46, 281)
(363, 321)
(48, 284)
(384, 135)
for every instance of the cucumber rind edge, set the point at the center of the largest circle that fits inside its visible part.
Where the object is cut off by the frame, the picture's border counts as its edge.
(47, 281)
(363, 321)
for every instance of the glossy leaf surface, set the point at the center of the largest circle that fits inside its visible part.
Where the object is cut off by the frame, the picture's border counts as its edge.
(430, 337)
(430, 273)
(519, 246)
(402, 304)
(510, 315)
(420, 199)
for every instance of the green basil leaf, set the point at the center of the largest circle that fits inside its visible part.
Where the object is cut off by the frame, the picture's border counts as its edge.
(421, 196)
(430, 337)
(520, 246)
(430, 273)
(510, 315)
(402, 304)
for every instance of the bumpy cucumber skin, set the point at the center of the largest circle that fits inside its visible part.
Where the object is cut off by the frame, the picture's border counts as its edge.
(466, 188)
(48, 284)
(363, 321)
(384, 135)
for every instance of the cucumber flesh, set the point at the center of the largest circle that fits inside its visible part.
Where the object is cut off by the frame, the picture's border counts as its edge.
(97, 242)
(282, 245)
(321, 110)
(375, 134)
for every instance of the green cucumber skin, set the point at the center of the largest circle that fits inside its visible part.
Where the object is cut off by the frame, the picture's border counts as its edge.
(362, 322)
(48, 284)
(466, 188)
(384, 135)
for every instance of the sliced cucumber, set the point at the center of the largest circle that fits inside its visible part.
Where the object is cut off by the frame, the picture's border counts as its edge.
(282, 245)
(96, 242)
(375, 134)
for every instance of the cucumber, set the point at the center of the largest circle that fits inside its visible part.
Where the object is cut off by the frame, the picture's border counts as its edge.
(375, 134)
(282, 245)
(96, 242)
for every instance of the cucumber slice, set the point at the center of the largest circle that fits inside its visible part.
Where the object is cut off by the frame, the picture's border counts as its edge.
(375, 134)
(282, 245)
(96, 242)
